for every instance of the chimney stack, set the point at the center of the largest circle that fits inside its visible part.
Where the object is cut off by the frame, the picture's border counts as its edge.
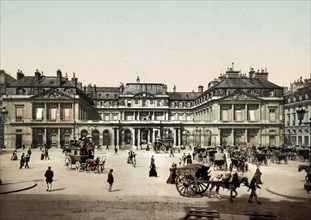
(174, 88)
(19, 74)
(200, 89)
(59, 77)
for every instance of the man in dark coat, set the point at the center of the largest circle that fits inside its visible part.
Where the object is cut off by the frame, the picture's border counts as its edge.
(49, 174)
(110, 180)
(22, 161)
(253, 186)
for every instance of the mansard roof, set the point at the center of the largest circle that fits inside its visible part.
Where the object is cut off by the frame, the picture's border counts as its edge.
(155, 89)
(43, 81)
(186, 96)
(255, 83)
(107, 93)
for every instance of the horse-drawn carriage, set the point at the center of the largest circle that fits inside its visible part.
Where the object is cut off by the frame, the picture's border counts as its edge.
(303, 154)
(220, 161)
(82, 157)
(238, 163)
(163, 145)
(279, 155)
(195, 179)
(260, 158)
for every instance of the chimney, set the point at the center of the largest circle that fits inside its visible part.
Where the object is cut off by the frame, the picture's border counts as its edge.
(19, 74)
(251, 73)
(138, 80)
(59, 77)
(174, 88)
(200, 89)
(164, 87)
(37, 75)
(74, 80)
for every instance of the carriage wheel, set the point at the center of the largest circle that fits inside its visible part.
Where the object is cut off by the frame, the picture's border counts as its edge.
(201, 187)
(67, 162)
(185, 185)
(78, 166)
(163, 148)
(231, 167)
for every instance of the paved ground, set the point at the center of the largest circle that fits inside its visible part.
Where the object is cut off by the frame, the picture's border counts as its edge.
(79, 195)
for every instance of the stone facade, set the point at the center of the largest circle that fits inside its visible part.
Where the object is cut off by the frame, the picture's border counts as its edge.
(235, 109)
(298, 94)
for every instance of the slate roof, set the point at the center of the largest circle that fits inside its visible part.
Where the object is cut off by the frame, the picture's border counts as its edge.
(184, 95)
(254, 83)
(44, 81)
(150, 88)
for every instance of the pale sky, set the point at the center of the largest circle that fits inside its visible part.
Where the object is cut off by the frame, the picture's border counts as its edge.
(182, 43)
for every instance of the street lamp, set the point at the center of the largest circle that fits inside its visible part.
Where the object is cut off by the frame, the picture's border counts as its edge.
(300, 114)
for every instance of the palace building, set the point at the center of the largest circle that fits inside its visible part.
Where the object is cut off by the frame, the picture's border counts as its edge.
(234, 109)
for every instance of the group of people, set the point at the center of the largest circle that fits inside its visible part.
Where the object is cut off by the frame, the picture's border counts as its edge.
(131, 159)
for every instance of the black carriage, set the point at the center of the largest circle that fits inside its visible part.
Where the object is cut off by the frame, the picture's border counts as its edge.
(238, 163)
(260, 158)
(199, 153)
(220, 161)
(192, 179)
(278, 156)
(211, 155)
(303, 154)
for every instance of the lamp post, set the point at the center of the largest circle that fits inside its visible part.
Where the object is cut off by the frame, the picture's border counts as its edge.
(4, 112)
(300, 114)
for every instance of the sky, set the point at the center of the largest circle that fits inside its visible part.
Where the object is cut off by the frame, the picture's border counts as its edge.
(181, 43)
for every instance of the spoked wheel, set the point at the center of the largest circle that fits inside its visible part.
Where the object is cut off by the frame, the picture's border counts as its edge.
(78, 166)
(201, 187)
(163, 148)
(185, 185)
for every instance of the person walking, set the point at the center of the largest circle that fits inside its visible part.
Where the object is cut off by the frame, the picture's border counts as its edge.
(172, 152)
(49, 174)
(189, 159)
(184, 158)
(110, 180)
(46, 154)
(26, 161)
(29, 153)
(253, 186)
(115, 150)
(22, 161)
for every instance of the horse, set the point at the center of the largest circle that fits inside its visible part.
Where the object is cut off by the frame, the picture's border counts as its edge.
(307, 168)
(228, 181)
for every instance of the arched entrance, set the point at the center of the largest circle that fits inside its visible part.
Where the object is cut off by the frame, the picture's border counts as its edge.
(127, 137)
(106, 138)
(207, 138)
(185, 137)
(95, 137)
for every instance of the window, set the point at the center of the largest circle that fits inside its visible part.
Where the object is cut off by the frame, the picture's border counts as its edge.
(39, 114)
(66, 114)
(144, 103)
(251, 115)
(224, 115)
(151, 102)
(128, 116)
(19, 113)
(238, 115)
(115, 117)
(136, 101)
(106, 117)
(52, 113)
(159, 116)
(272, 114)
(172, 117)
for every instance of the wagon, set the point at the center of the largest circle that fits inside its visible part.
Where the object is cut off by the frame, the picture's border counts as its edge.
(163, 144)
(192, 179)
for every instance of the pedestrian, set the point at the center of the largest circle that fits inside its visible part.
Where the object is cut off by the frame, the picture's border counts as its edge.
(172, 152)
(46, 154)
(107, 147)
(26, 161)
(110, 180)
(184, 158)
(49, 174)
(253, 186)
(153, 171)
(29, 153)
(22, 161)
(42, 154)
(23, 146)
(189, 159)
(115, 150)
(172, 176)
